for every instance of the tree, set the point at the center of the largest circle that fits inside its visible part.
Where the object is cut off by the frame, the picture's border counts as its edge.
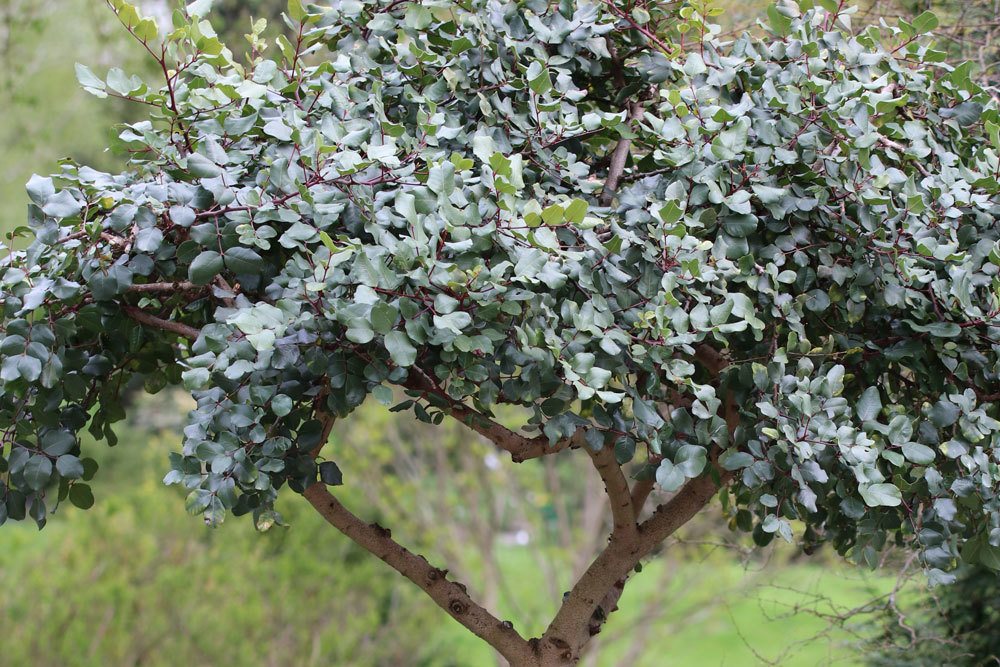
(955, 626)
(763, 271)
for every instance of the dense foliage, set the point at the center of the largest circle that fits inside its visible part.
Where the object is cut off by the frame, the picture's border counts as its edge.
(788, 245)
(957, 625)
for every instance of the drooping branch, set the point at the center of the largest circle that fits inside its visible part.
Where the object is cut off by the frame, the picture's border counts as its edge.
(521, 448)
(449, 595)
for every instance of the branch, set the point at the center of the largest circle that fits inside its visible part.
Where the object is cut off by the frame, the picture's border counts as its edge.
(165, 287)
(710, 358)
(165, 325)
(449, 595)
(586, 608)
(593, 597)
(680, 509)
(623, 514)
(640, 492)
(519, 447)
(618, 159)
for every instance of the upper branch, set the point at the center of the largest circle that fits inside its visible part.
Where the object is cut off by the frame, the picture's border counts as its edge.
(623, 514)
(593, 597)
(680, 509)
(618, 159)
(143, 317)
(520, 448)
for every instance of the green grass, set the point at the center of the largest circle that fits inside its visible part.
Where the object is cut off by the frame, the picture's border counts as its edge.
(716, 611)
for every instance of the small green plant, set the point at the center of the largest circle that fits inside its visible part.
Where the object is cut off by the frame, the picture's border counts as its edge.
(763, 270)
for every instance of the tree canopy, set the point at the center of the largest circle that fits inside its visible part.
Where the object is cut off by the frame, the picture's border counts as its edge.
(766, 266)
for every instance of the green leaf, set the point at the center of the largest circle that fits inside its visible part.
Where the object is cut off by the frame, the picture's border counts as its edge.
(202, 167)
(58, 442)
(383, 317)
(239, 259)
(576, 211)
(295, 10)
(779, 23)
(37, 472)
(881, 495)
(900, 429)
(538, 78)
(734, 460)
(671, 212)
(966, 113)
(442, 178)
(925, 22)
(869, 404)
(199, 8)
(400, 349)
(90, 81)
(919, 454)
(205, 267)
(383, 395)
(147, 30)
(553, 214)
(690, 460)
(69, 466)
(944, 413)
(62, 205)
(669, 477)
(330, 474)
(281, 405)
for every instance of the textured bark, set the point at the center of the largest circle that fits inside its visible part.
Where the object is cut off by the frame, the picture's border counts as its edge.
(449, 595)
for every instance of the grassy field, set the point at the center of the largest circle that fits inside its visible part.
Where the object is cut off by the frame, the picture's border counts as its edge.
(719, 612)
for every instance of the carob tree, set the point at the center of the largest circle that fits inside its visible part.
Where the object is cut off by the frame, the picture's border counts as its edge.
(763, 271)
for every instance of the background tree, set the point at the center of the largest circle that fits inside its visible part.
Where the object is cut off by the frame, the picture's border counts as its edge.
(766, 268)
(953, 625)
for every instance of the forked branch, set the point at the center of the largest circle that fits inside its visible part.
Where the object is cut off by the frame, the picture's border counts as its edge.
(601, 585)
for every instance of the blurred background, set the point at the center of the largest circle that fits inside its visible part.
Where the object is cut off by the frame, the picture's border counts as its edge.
(136, 581)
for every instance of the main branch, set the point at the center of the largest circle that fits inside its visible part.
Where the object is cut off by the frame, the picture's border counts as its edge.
(449, 595)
